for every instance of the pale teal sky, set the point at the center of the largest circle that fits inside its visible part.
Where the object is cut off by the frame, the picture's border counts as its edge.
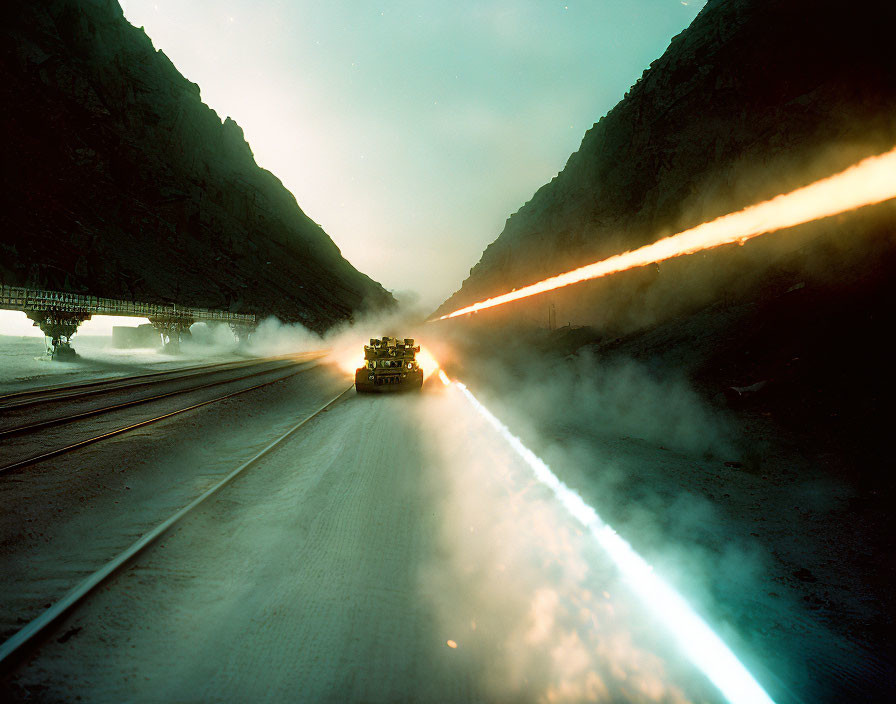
(411, 130)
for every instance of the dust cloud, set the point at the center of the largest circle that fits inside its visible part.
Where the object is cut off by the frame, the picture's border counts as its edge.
(527, 600)
(344, 343)
(584, 396)
(517, 583)
(526, 596)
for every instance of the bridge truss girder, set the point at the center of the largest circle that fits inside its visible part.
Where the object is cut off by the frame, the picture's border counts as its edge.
(59, 325)
(172, 329)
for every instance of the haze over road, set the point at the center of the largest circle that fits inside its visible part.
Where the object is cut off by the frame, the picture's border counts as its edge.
(342, 565)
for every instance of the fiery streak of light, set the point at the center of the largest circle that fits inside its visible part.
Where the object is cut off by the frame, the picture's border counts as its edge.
(871, 181)
(427, 362)
(349, 359)
(693, 635)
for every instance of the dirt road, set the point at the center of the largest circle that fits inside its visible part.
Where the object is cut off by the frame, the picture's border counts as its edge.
(391, 551)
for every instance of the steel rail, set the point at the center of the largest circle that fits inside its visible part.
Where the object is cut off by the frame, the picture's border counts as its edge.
(70, 393)
(18, 430)
(57, 398)
(55, 388)
(57, 392)
(112, 433)
(42, 623)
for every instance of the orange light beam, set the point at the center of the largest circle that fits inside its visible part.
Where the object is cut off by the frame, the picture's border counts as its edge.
(871, 181)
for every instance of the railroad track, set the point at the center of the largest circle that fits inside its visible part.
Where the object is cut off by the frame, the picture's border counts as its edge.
(61, 392)
(30, 636)
(291, 365)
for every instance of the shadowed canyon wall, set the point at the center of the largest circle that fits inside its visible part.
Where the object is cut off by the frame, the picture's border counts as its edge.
(119, 181)
(755, 98)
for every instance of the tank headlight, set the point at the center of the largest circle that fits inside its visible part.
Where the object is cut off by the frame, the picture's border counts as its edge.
(370, 377)
(410, 365)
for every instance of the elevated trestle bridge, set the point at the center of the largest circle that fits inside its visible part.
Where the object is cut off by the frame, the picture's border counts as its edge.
(59, 314)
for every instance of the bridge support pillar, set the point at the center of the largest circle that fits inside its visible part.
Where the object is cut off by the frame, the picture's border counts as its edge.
(172, 329)
(243, 331)
(59, 326)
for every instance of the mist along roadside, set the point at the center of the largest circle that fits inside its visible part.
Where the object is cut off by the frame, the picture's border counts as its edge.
(735, 510)
(76, 511)
(26, 365)
(369, 558)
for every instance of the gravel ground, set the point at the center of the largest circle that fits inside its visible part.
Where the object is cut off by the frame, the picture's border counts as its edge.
(393, 550)
(77, 511)
(189, 393)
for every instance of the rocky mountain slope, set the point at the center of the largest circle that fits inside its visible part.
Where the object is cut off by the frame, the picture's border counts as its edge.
(120, 181)
(755, 98)
(786, 339)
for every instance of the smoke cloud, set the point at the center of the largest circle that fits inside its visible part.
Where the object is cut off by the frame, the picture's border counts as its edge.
(523, 592)
(523, 589)
(583, 396)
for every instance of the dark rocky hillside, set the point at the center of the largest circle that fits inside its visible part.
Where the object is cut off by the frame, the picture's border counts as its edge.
(120, 181)
(755, 98)
(787, 338)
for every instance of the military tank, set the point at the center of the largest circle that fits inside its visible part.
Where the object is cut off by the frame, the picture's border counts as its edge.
(390, 364)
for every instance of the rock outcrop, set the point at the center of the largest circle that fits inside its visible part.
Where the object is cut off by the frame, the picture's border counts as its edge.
(755, 98)
(121, 182)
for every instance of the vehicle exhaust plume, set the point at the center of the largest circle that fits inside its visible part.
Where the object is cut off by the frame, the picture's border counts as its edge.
(703, 647)
(871, 181)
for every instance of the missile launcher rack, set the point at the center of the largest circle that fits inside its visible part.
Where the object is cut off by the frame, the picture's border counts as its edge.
(390, 364)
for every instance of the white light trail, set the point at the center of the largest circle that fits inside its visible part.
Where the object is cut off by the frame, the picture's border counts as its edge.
(704, 648)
